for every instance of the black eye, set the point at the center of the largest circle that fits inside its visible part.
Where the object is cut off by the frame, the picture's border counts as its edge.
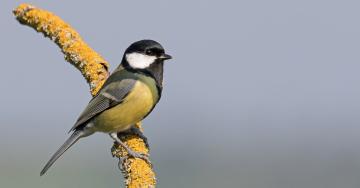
(149, 52)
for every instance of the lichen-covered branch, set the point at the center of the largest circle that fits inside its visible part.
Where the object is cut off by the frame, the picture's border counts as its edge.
(94, 68)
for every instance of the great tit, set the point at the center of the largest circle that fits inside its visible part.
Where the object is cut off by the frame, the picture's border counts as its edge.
(127, 97)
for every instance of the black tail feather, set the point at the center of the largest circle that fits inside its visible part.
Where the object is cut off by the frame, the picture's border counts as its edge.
(68, 143)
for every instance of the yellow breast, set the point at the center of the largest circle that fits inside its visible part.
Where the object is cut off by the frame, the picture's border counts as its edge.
(135, 106)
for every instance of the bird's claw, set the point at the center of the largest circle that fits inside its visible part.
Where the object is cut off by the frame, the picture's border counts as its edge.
(130, 152)
(138, 155)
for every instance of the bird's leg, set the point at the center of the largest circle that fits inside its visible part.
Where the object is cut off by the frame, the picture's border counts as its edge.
(130, 152)
(136, 131)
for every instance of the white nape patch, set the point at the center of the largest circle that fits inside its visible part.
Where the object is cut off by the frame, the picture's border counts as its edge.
(139, 61)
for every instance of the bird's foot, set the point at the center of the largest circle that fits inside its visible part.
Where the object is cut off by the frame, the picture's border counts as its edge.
(122, 165)
(130, 152)
(139, 155)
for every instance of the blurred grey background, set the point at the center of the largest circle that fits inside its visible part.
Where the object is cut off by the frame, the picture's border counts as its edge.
(260, 94)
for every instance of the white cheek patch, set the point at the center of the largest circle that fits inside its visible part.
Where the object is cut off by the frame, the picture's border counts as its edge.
(139, 61)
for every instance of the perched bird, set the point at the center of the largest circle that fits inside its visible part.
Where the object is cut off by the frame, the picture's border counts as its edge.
(128, 96)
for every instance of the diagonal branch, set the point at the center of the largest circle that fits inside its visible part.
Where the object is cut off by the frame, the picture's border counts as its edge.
(94, 68)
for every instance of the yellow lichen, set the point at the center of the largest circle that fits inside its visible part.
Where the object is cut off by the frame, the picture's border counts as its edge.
(94, 68)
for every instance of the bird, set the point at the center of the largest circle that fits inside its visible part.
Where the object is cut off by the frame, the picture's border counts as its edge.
(128, 96)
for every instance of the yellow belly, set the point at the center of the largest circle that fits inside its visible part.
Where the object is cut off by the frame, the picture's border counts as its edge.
(135, 106)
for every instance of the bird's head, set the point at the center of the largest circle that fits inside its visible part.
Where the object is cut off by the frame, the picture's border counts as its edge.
(144, 53)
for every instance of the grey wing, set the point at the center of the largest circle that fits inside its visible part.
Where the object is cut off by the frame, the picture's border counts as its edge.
(111, 95)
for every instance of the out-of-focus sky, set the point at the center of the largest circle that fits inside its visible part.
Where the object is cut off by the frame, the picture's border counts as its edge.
(260, 94)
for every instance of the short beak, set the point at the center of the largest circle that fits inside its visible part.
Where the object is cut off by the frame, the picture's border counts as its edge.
(165, 57)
